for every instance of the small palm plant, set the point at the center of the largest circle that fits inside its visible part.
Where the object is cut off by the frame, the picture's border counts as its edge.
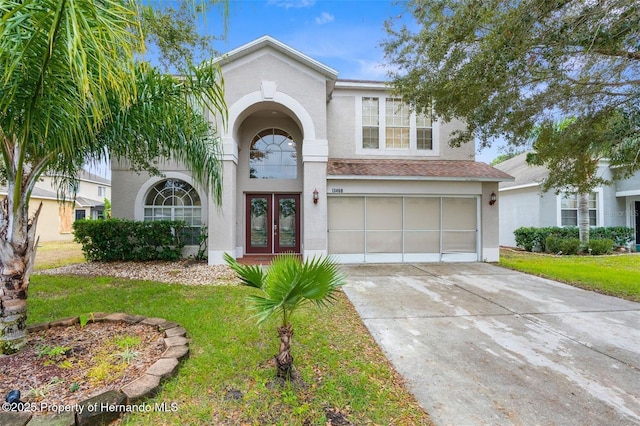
(287, 284)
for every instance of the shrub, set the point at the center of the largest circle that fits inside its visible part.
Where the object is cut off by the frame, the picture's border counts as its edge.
(532, 239)
(601, 246)
(558, 245)
(125, 240)
(620, 235)
(553, 244)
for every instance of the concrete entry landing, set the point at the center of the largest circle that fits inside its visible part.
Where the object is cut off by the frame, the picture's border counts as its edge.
(482, 345)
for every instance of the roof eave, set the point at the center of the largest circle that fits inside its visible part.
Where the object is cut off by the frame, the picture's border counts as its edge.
(420, 178)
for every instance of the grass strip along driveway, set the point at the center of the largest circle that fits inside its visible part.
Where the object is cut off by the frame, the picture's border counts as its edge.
(615, 275)
(229, 377)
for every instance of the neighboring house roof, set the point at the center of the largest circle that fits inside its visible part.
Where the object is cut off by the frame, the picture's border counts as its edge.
(415, 169)
(87, 202)
(524, 174)
(36, 193)
(90, 177)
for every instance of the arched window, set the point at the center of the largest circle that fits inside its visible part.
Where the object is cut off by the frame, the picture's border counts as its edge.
(273, 155)
(175, 199)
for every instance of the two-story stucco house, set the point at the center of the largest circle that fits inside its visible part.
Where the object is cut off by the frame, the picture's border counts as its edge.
(318, 165)
(56, 219)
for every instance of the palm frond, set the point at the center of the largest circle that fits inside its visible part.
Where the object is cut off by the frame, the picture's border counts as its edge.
(289, 283)
(250, 275)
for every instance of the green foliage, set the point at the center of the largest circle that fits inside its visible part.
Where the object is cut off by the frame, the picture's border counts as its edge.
(55, 353)
(203, 239)
(127, 240)
(535, 239)
(600, 246)
(558, 245)
(289, 283)
(620, 235)
(505, 67)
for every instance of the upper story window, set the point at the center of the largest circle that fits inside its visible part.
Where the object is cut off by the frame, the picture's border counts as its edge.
(102, 191)
(273, 155)
(569, 210)
(388, 126)
(175, 199)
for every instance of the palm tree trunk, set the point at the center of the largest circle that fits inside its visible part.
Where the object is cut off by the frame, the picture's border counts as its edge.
(284, 359)
(17, 256)
(583, 218)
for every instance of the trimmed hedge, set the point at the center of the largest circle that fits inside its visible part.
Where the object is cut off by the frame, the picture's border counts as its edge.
(601, 246)
(559, 245)
(535, 239)
(127, 240)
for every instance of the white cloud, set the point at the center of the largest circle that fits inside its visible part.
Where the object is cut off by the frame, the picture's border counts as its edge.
(324, 18)
(288, 4)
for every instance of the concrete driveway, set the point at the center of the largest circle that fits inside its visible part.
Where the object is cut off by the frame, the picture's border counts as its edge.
(483, 345)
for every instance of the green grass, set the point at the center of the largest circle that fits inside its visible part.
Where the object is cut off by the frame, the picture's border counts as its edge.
(342, 367)
(52, 254)
(616, 275)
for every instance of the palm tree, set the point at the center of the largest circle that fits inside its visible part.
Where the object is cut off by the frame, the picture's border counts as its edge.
(71, 90)
(286, 285)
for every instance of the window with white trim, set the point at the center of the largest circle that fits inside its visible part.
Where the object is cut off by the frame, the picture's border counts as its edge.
(175, 199)
(569, 209)
(387, 125)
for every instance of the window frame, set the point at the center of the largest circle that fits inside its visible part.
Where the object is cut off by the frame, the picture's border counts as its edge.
(194, 228)
(383, 149)
(599, 208)
(273, 132)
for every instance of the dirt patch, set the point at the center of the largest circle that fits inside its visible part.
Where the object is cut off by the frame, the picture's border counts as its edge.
(62, 366)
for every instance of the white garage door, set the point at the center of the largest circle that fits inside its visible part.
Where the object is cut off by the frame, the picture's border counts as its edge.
(403, 229)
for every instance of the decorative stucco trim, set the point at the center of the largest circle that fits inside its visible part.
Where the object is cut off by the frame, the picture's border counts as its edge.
(241, 105)
(632, 193)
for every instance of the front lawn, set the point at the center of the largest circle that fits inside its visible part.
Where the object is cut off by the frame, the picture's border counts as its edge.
(616, 275)
(228, 378)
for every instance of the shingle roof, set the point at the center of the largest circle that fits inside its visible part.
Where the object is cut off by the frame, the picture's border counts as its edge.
(417, 169)
(523, 173)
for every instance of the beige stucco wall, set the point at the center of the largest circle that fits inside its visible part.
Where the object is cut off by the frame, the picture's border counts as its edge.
(54, 222)
(255, 72)
(490, 217)
(341, 111)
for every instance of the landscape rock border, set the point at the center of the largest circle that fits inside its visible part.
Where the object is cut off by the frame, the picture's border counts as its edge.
(108, 406)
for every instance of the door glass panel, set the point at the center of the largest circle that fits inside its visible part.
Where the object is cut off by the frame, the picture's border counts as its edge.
(287, 222)
(259, 222)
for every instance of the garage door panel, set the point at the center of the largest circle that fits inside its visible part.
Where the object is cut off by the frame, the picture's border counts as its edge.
(422, 213)
(346, 213)
(384, 213)
(345, 242)
(384, 241)
(459, 241)
(459, 213)
(422, 242)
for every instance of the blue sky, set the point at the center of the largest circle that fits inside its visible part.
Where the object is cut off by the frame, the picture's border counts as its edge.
(344, 35)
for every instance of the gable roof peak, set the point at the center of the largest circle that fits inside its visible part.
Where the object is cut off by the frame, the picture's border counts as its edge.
(268, 41)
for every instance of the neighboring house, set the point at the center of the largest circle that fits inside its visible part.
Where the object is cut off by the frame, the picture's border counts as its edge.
(522, 203)
(57, 217)
(317, 165)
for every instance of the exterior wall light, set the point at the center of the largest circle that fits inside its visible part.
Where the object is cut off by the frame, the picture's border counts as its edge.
(315, 196)
(492, 199)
